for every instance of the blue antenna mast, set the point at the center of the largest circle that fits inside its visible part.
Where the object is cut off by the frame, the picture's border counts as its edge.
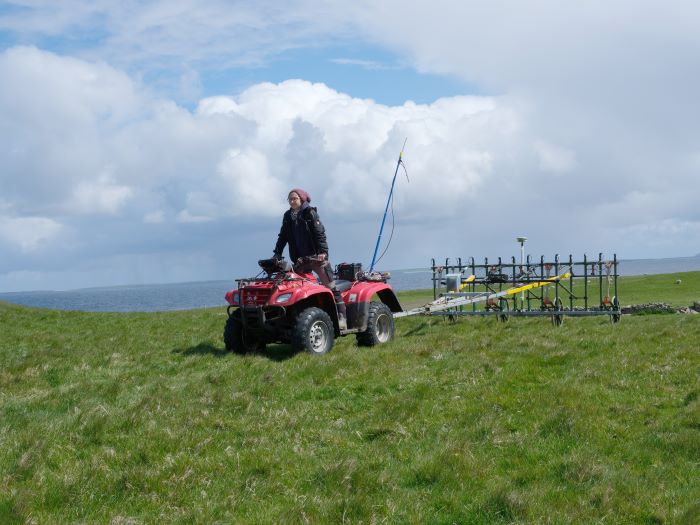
(388, 201)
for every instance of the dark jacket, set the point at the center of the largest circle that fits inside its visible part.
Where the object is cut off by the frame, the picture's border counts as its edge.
(305, 235)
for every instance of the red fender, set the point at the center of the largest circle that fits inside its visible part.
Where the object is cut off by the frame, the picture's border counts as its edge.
(363, 291)
(299, 289)
(358, 298)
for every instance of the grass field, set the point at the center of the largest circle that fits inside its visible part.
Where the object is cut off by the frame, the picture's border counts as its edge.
(144, 418)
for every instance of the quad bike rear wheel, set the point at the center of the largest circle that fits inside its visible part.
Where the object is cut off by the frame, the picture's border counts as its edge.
(380, 326)
(313, 331)
(237, 339)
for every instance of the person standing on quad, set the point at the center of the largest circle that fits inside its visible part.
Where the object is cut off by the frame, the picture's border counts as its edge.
(308, 248)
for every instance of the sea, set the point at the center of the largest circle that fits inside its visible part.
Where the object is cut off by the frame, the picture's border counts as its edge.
(185, 296)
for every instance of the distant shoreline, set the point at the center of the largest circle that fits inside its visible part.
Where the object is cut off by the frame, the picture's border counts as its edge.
(203, 294)
(657, 267)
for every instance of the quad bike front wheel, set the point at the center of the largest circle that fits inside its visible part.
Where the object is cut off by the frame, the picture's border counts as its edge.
(380, 326)
(237, 339)
(313, 331)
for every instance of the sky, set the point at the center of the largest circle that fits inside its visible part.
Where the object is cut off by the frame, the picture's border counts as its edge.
(153, 141)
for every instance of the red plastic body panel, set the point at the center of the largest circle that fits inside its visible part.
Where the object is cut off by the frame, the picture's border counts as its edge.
(300, 290)
(362, 291)
(260, 293)
(232, 297)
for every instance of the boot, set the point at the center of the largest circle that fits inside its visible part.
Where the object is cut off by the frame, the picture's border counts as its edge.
(342, 318)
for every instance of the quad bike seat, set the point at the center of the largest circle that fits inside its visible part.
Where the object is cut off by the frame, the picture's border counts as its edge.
(342, 285)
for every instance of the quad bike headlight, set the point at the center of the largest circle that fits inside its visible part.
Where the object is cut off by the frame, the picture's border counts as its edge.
(233, 297)
(283, 298)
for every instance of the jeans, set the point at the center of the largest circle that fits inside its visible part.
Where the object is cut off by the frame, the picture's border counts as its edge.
(321, 268)
(325, 275)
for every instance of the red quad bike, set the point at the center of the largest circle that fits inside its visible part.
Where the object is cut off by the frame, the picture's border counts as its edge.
(295, 308)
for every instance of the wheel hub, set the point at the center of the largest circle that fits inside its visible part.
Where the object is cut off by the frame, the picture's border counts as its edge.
(383, 328)
(318, 336)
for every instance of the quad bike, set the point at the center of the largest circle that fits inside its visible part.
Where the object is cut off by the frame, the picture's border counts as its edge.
(295, 308)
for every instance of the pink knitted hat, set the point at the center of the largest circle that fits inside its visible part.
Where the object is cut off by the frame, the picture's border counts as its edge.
(305, 197)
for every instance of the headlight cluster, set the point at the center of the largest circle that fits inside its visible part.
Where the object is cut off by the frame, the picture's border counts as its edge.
(283, 298)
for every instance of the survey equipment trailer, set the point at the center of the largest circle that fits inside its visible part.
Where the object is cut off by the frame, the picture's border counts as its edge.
(288, 307)
(449, 302)
(549, 287)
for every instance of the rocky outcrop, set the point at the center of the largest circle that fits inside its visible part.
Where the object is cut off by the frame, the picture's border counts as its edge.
(649, 308)
(686, 310)
(660, 308)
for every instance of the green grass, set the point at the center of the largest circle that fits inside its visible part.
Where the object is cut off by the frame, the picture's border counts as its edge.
(144, 418)
(661, 289)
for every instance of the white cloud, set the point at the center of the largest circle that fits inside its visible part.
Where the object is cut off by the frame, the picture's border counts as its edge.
(220, 105)
(48, 89)
(99, 196)
(186, 216)
(371, 65)
(672, 237)
(154, 217)
(154, 35)
(554, 159)
(190, 85)
(343, 150)
(29, 234)
(130, 164)
(57, 116)
(251, 189)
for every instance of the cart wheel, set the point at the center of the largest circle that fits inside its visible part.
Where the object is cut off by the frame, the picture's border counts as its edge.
(502, 317)
(558, 319)
(615, 317)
